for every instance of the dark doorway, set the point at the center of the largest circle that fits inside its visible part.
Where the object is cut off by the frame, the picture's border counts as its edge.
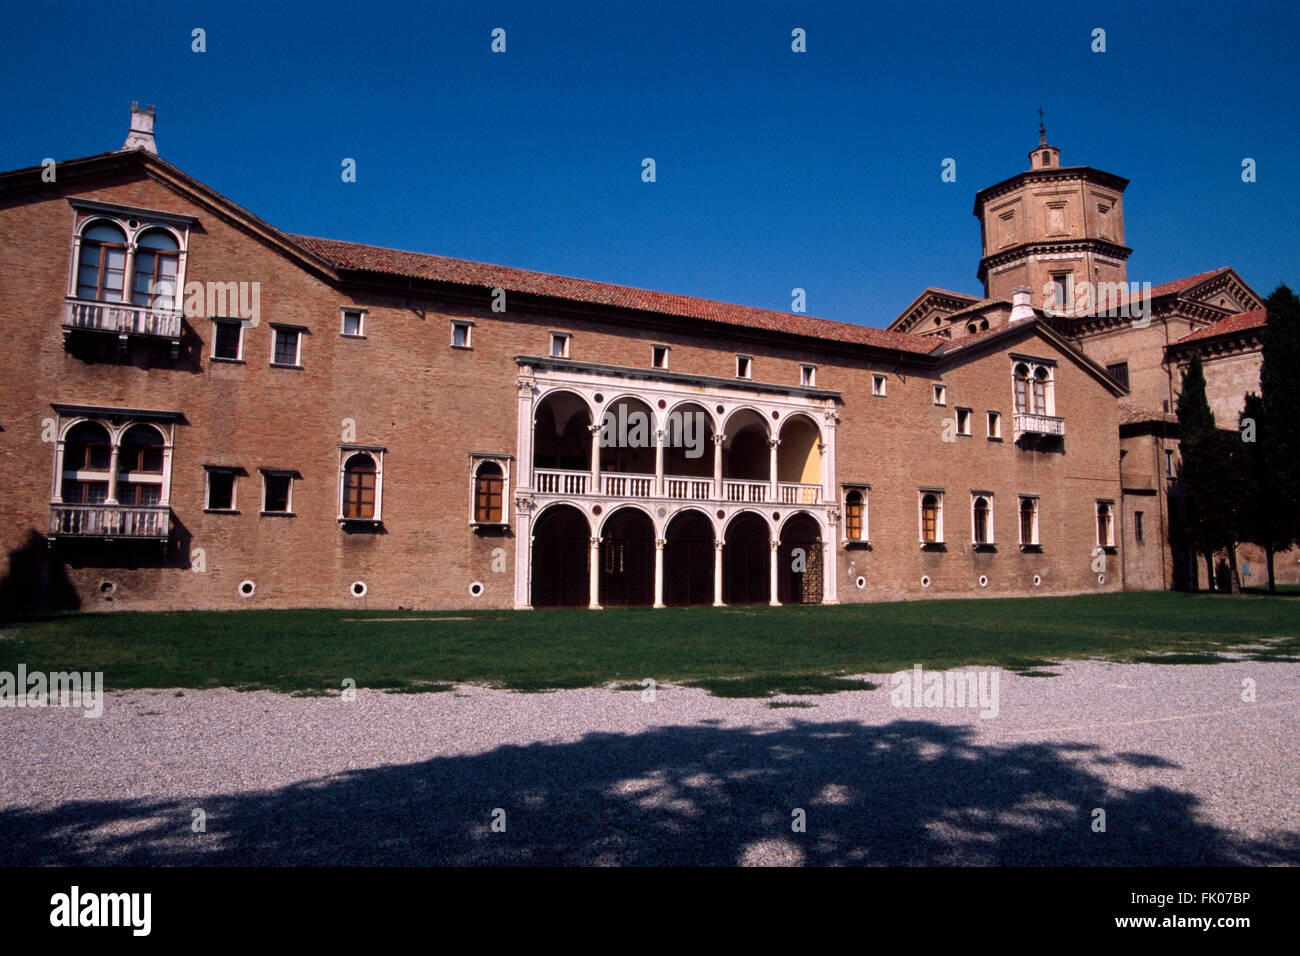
(561, 552)
(746, 562)
(688, 560)
(627, 560)
(799, 576)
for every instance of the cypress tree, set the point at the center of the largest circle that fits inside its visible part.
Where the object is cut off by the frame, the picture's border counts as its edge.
(1277, 432)
(1202, 452)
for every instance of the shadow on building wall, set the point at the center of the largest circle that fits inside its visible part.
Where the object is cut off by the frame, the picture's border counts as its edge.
(37, 579)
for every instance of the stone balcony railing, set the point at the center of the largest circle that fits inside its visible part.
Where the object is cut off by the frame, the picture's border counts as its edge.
(551, 481)
(1030, 424)
(122, 320)
(109, 521)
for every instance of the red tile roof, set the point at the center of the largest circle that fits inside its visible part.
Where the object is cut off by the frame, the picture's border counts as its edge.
(1168, 288)
(419, 265)
(1242, 321)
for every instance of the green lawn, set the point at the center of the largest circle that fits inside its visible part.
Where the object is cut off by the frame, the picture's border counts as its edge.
(765, 650)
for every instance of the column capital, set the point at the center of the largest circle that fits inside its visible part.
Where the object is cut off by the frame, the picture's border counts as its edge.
(595, 542)
(773, 441)
(659, 543)
(719, 439)
(719, 544)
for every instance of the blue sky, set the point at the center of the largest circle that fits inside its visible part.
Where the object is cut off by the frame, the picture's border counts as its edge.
(819, 170)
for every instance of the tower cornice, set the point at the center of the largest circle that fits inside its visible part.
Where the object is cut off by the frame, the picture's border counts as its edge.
(1049, 246)
(1054, 174)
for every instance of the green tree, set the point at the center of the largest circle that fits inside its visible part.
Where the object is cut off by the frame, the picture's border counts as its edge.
(1276, 459)
(1259, 522)
(1212, 497)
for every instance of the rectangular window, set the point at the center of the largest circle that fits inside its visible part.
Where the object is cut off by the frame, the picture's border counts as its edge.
(941, 395)
(460, 335)
(287, 346)
(227, 340)
(1137, 526)
(1169, 462)
(963, 421)
(85, 492)
(1062, 289)
(1028, 520)
(560, 345)
(995, 425)
(277, 493)
(877, 385)
(353, 322)
(1119, 372)
(744, 366)
(221, 491)
(808, 376)
(487, 497)
(659, 356)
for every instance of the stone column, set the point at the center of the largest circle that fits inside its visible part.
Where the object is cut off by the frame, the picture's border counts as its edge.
(112, 473)
(523, 551)
(773, 443)
(524, 430)
(659, 464)
(775, 548)
(717, 466)
(659, 572)
(59, 451)
(595, 459)
(717, 572)
(594, 602)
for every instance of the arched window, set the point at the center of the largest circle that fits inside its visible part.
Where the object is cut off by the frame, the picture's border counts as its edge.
(1029, 521)
(101, 268)
(1105, 525)
(489, 487)
(359, 474)
(1042, 378)
(930, 519)
(980, 520)
(142, 450)
(1022, 388)
(853, 514)
(140, 467)
(156, 258)
(87, 455)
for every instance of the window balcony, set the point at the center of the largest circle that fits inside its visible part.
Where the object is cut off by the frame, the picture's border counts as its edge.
(123, 320)
(110, 521)
(1030, 424)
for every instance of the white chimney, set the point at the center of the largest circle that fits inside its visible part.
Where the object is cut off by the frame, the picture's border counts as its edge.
(141, 134)
(1020, 307)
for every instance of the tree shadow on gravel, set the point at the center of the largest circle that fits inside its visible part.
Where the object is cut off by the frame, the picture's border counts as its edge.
(909, 793)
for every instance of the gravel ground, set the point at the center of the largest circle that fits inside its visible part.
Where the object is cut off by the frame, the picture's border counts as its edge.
(1185, 770)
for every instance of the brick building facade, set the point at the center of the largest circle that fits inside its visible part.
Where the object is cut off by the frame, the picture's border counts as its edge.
(207, 412)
